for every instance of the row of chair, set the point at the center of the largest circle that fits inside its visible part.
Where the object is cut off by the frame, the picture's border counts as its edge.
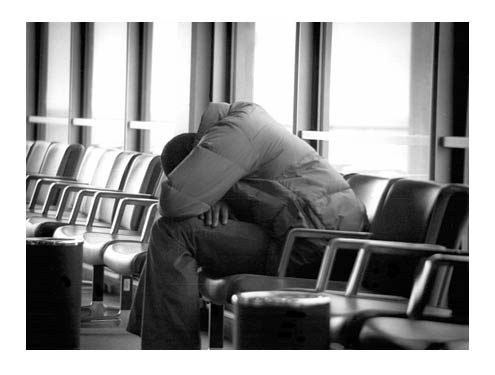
(113, 197)
(52, 159)
(403, 214)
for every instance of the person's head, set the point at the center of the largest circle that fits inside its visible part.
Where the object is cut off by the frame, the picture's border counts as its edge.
(176, 150)
(181, 145)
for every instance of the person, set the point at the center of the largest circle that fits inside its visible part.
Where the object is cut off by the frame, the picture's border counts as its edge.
(232, 192)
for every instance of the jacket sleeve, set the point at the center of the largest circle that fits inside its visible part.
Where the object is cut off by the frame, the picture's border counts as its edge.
(223, 156)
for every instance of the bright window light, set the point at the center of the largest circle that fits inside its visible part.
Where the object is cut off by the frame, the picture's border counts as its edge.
(375, 70)
(170, 81)
(274, 58)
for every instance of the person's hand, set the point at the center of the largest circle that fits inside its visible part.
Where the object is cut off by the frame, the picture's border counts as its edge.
(218, 213)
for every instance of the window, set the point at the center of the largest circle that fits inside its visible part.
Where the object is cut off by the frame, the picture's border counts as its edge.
(170, 82)
(380, 98)
(109, 84)
(58, 80)
(274, 58)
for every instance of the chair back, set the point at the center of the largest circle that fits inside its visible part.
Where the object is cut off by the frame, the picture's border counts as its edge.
(143, 177)
(110, 173)
(120, 169)
(371, 190)
(36, 156)
(70, 161)
(451, 217)
(89, 163)
(29, 144)
(105, 172)
(61, 159)
(406, 212)
(418, 212)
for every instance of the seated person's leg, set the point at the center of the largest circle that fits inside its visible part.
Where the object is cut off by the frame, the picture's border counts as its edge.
(170, 316)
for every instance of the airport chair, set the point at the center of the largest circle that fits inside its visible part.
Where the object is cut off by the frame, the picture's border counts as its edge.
(86, 171)
(36, 155)
(416, 327)
(124, 225)
(412, 211)
(110, 173)
(60, 160)
(125, 256)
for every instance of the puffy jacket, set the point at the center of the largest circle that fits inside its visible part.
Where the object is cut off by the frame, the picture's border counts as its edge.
(267, 175)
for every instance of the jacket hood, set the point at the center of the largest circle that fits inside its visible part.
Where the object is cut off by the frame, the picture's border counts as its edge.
(213, 113)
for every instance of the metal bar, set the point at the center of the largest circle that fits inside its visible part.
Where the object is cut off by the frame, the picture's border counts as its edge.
(125, 292)
(454, 142)
(93, 122)
(311, 233)
(215, 326)
(366, 137)
(424, 284)
(98, 282)
(48, 120)
(358, 271)
(154, 125)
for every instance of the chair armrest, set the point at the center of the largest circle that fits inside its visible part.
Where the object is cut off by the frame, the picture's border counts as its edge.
(366, 248)
(118, 195)
(351, 329)
(151, 207)
(34, 178)
(83, 191)
(424, 284)
(417, 302)
(31, 177)
(326, 234)
(55, 185)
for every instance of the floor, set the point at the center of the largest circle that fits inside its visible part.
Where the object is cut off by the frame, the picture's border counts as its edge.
(117, 338)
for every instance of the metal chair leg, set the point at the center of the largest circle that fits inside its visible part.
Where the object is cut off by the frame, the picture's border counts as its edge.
(125, 292)
(97, 314)
(215, 326)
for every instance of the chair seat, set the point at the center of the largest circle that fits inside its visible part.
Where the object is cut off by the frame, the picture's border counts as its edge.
(125, 258)
(402, 333)
(220, 290)
(77, 231)
(43, 226)
(95, 245)
(95, 241)
(35, 221)
(342, 308)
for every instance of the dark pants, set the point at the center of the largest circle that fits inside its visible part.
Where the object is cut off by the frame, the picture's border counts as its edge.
(166, 308)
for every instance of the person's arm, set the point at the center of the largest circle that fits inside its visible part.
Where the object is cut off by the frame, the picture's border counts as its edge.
(223, 157)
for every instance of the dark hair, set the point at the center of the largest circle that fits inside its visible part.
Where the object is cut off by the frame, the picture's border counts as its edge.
(176, 150)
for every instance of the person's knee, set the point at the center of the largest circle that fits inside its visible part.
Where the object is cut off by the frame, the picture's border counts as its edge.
(165, 229)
